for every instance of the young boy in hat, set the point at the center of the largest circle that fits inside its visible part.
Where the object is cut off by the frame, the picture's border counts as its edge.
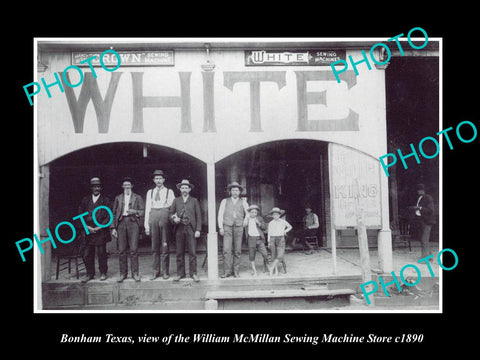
(255, 227)
(277, 229)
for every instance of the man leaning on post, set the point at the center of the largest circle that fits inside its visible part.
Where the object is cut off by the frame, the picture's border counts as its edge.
(97, 237)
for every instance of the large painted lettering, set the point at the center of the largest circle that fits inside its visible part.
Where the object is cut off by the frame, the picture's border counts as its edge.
(89, 92)
(304, 98)
(254, 78)
(140, 102)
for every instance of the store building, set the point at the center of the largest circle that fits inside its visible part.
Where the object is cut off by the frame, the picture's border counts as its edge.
(269, 114)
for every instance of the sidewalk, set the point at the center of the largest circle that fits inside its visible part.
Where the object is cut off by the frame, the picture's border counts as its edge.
(298, 264)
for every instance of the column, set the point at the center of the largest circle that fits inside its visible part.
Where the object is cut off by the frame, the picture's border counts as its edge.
(385, 257)
(212, 237)
(385, 260)
(43, 220)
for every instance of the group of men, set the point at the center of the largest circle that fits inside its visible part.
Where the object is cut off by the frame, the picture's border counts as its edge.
(161, 214)
(164, 213)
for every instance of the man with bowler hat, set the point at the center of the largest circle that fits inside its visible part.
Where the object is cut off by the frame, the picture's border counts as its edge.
(185, 214)
(97, 237)
(157, 224)
(230, 222)
(128, 211)
(424, 217)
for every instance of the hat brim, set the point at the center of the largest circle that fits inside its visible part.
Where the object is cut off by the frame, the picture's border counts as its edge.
(179, 185)
(230, 187)
(281, 212)
(253, 208)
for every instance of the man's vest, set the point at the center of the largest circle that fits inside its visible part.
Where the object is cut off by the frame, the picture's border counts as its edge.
(234, 213)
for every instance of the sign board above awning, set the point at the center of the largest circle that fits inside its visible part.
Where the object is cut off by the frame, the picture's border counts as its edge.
(293, 58)
(128, 58)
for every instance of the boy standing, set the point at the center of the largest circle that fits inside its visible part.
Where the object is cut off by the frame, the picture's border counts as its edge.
(277, 229)
(255, 226)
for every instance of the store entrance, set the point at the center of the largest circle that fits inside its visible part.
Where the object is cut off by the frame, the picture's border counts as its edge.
(70, 175)
(288, 174)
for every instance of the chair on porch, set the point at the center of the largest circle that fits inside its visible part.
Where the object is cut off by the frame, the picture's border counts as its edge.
(312, 240)
(68, 253)
(401, 233)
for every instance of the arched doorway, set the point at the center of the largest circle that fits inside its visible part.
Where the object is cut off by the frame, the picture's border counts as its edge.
(70, 174)
(285, 173)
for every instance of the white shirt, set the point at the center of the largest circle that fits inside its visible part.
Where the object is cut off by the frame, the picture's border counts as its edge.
(126, 200)
(95, 198)
(278, 227)
(252, 227)
(166, 199)
(417, 212)
(221, 209)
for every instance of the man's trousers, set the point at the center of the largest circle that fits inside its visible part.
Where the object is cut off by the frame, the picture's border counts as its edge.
(128, 232)
(160, 231)
(232, 237)
(185, 236)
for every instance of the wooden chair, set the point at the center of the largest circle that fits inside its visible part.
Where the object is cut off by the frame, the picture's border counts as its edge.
(67, 254)
(401, 233)
(312, 241)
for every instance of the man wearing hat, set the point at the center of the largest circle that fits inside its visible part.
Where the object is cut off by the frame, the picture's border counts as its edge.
(128, 211)
(185, 214)
(230, 222)
(97, 237)
(424, 217)
(157, 224)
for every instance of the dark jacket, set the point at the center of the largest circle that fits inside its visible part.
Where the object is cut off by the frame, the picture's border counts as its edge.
(101, 216)
(261, 226)
(427, 210)
(189, 209)
(135, 203)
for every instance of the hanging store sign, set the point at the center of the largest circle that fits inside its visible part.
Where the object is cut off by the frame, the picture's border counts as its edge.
(293, 58)
(355, 187)
(128, 58)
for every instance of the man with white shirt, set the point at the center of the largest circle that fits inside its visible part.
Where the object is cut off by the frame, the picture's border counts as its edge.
(230, 222)
(97, 237)
(157, 224)
(128, 210)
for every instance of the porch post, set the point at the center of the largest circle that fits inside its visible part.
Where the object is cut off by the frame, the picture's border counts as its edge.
(43, 220)
(385, 260)
(212, 237)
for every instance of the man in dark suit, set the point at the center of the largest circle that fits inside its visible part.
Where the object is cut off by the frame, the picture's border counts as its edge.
(97, 237)
(424, 215)
(185, 214)
(128, 212)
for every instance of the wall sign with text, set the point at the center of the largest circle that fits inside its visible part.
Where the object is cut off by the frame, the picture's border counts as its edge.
(128, 58)
(293, 58)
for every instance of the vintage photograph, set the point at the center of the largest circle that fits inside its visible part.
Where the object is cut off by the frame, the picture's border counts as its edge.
(238, 174)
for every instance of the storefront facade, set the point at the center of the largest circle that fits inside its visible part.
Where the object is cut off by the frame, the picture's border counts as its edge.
(269, 115)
